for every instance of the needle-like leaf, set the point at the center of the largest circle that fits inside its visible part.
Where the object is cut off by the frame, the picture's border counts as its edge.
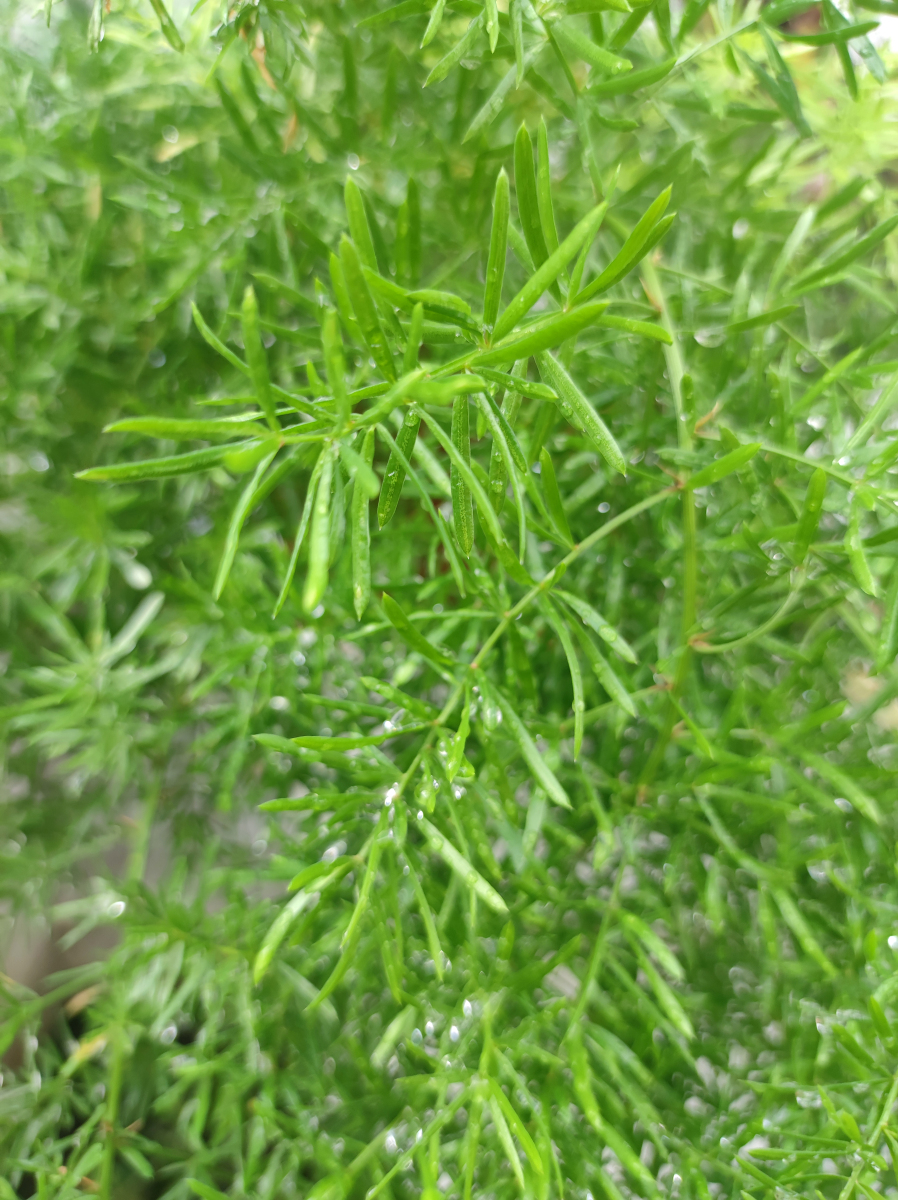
(575, 406)
(469, 875)
(528, 203)
(319, 535)
(363, 307)
(361, 532)
(462, 509)
(495, 267)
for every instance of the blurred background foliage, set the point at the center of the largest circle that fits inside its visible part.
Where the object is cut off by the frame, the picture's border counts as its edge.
(694, 988)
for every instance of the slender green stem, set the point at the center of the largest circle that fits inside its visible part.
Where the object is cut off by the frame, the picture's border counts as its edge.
(690, 580)
(364, 1156)
(675, 372)
(887, 501)
(110, 1119)
(726, 36)
(784, 609)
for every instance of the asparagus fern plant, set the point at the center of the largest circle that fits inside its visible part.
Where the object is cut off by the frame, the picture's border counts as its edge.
(450, 610)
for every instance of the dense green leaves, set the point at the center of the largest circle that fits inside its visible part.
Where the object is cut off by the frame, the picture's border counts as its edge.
(542, 843)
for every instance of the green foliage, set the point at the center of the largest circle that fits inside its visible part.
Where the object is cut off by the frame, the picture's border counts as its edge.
(537, 837)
